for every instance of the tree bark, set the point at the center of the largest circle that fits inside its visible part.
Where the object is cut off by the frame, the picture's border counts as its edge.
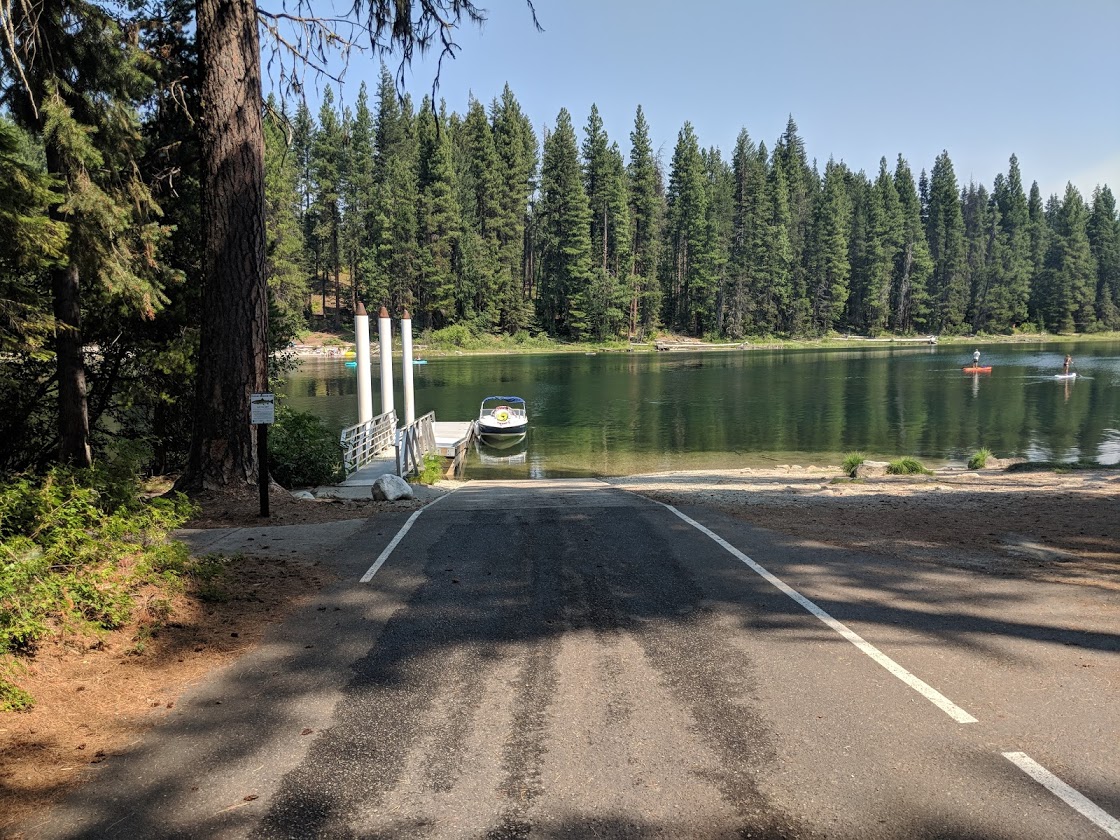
(73, 411)
(233, 344)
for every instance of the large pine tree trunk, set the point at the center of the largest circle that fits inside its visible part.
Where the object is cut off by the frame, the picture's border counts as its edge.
(70, 366)
(73, 413)
(233, 348)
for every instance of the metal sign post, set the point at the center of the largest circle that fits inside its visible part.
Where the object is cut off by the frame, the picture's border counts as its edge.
(262, 413)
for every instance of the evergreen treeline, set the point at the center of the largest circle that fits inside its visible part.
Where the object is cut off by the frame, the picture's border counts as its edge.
(468, 219)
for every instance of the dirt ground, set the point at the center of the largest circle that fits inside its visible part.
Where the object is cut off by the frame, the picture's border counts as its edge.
(93, 700)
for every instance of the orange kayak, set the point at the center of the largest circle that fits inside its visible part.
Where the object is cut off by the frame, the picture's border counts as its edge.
(977, 368)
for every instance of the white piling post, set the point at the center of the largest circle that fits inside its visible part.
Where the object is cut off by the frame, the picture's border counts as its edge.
(361, 348)
(385, 338)
(406, 369)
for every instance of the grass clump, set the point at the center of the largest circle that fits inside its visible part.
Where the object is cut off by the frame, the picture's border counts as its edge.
(851, 463)
(76, 546)
(907, 466)
(432, 470)
(979, 459)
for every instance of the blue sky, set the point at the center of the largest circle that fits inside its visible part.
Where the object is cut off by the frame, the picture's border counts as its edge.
(863, 79)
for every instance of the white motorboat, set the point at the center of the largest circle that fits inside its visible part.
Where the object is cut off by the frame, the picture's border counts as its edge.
(502, 421)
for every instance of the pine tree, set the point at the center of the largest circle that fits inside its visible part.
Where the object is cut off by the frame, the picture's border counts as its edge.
(646, 215)
(982, 254)
(913, 265)
(688, 280)
(1104, 241)
(439, 220)
(887, 236)
(802, 188)
(860, 249)
(746, 217)
(30, 242)
(721, 213)
(595, 183)
(284, 269)
(392, 269)
(303, 135)
(76, 81)
(605, 184)
(516, 147)
(945, 233)
(618, 212)
(564, 220)
(1013, 273)
(358, 197)
(484, 182)
(1071, 270)
(1040, 243)
(328, 171)
(613, 292)
(830, 268)
(781, 309)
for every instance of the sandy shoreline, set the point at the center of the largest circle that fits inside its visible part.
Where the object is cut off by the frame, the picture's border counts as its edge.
(1046, 525)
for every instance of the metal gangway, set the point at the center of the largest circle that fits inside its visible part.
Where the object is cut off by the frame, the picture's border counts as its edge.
(378, 447)
(365, 443)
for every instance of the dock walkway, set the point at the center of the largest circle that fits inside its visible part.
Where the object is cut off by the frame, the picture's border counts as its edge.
(452, 441)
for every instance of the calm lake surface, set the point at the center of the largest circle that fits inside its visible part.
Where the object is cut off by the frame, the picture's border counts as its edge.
(626, 413)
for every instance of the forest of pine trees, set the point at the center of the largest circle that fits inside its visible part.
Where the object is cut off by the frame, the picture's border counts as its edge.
(475, 220)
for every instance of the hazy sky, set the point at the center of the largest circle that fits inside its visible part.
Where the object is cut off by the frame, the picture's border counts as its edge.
(863, 79)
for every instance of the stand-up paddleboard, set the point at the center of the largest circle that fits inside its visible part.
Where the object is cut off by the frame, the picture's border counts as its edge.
(977, 368)
(1065, 375)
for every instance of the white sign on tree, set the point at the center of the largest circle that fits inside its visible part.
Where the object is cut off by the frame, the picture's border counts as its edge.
(262, 409)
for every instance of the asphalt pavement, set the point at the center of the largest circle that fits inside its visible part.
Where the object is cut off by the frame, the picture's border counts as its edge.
(563, 659)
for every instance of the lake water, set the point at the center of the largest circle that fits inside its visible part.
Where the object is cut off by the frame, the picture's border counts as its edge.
(626, 413)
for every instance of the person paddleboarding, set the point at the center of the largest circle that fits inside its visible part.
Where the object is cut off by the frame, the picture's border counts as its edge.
(1066, 364)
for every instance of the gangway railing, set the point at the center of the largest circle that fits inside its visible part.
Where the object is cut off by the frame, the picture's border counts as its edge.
(363, 443)
(415, 441)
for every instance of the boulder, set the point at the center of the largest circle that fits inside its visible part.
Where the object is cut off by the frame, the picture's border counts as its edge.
(303, 495)
(1001, 463)
(871, 469)
(390, 488)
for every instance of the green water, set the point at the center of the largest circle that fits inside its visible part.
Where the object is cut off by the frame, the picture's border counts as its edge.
(626, 413)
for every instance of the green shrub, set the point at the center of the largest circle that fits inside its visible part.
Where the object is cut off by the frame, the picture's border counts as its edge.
(457, 336)
(979, 460)
(852, 463)
(432, 470)
(907, 466)
(13, 698)
(303, 451)
(75, 546)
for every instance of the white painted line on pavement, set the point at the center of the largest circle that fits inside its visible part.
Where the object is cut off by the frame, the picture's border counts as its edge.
(368, 576)
(1064, 792)
(937, 698)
